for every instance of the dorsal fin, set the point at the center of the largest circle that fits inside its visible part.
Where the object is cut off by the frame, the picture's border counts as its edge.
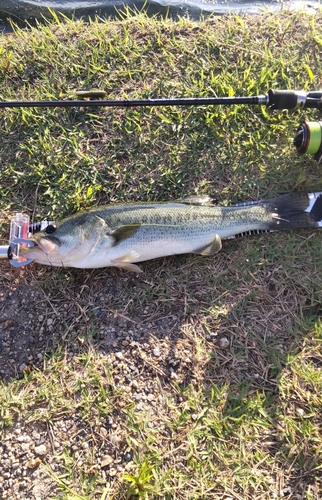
(198, 199)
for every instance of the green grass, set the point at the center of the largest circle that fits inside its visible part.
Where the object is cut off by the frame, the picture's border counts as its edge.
(232, 407)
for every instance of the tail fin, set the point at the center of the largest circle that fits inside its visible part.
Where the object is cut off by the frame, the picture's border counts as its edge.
(295, 210)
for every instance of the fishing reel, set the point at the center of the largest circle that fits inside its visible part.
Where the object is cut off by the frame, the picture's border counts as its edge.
(308, 139)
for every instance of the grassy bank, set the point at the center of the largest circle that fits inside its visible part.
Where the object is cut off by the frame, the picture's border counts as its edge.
(200, 378)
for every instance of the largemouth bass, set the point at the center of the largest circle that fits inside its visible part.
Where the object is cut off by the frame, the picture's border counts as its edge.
(122, 235)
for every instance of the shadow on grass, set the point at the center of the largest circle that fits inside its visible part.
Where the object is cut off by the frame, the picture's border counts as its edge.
(219, 357)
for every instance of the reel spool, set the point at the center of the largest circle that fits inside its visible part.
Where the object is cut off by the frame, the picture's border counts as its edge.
(309, 139)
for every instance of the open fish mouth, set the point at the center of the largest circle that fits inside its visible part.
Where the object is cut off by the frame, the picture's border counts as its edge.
(44, 244)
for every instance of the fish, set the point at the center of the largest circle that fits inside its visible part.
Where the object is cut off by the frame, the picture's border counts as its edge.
(122, 235)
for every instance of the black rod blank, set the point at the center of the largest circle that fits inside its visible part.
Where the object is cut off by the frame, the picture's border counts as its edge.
(275, 99)
(132, 102)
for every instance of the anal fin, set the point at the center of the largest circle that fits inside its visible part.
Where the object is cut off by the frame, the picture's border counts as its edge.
(129, 267)
(210, 249)
(125, 262)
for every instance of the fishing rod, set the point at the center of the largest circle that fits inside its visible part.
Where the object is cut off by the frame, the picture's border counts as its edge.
(308, 138)
(274, 99)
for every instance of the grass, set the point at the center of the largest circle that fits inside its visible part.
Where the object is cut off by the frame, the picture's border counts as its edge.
(231, 408)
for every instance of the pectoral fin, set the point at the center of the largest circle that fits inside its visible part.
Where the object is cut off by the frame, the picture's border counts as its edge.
(124, 232)
(125, 262)
(210, 249)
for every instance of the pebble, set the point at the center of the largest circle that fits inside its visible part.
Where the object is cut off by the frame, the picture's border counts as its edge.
(41, 450)
(33, 463)
(119, 355)
(223, 343)
(103, 432)
(157, 352)
(115, 439)
(300, 412)
(106, 460)
(24, 439)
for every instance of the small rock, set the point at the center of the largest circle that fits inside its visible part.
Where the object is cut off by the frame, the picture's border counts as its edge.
(157, 352)
(223, 342)
(127, 457)
(103, 432)
(24, 439)
(41, 450)
(25, 447)
(300, 412)
(119, 355)
(33, 463)
(115, 439)
(106, 460)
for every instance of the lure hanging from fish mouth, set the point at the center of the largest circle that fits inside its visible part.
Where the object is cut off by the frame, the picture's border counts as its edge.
(123, 235)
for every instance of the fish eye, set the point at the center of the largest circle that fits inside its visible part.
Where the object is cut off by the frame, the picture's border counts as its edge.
(50, 229)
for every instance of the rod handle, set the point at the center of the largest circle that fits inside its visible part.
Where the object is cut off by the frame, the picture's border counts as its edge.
(292, 99)
(286, 99)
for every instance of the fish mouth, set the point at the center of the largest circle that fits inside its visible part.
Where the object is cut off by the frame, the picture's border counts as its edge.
(47, 246)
